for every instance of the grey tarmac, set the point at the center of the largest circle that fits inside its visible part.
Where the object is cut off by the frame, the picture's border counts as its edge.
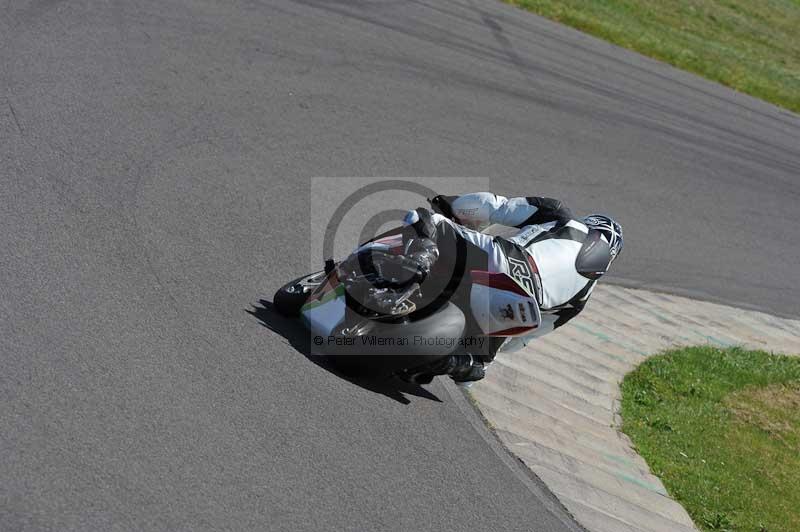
(155, 163)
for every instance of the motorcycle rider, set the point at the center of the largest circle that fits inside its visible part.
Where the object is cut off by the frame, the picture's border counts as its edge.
(555, 256)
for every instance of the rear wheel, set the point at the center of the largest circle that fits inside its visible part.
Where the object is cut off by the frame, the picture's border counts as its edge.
(291, 297)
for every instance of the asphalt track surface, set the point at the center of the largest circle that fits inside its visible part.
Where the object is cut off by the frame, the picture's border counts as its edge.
(155, 163)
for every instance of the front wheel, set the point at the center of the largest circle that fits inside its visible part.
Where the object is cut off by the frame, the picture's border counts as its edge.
(291, 297)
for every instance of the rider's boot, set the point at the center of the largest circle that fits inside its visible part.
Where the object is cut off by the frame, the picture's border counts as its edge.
(462, 369)
(467, 369)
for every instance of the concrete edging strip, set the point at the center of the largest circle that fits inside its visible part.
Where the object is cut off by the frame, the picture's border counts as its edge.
(555, 403)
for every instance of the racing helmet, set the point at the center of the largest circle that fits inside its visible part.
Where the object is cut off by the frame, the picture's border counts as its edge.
(602, 246)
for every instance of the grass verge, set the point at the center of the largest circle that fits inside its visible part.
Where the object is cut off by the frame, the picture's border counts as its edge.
(751, 46)
(721, 428)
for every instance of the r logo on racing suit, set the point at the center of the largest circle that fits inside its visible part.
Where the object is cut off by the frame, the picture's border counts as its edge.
(522, 268)
(529, 280)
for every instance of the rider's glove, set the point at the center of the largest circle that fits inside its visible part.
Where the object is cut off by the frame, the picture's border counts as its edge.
(443, 205)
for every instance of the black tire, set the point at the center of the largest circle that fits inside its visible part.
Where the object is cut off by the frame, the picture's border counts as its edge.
(290, 298)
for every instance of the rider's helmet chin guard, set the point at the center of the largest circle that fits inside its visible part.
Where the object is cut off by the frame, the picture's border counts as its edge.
(602, 246)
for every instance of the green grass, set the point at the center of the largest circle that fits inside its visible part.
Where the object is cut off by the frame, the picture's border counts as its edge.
(750, 45)
(721, 428)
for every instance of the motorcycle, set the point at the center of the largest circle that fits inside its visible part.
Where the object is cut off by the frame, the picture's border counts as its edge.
(373, 316)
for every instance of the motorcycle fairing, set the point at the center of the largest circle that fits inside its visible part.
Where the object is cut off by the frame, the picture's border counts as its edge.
(501, 306)
(325, 308)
